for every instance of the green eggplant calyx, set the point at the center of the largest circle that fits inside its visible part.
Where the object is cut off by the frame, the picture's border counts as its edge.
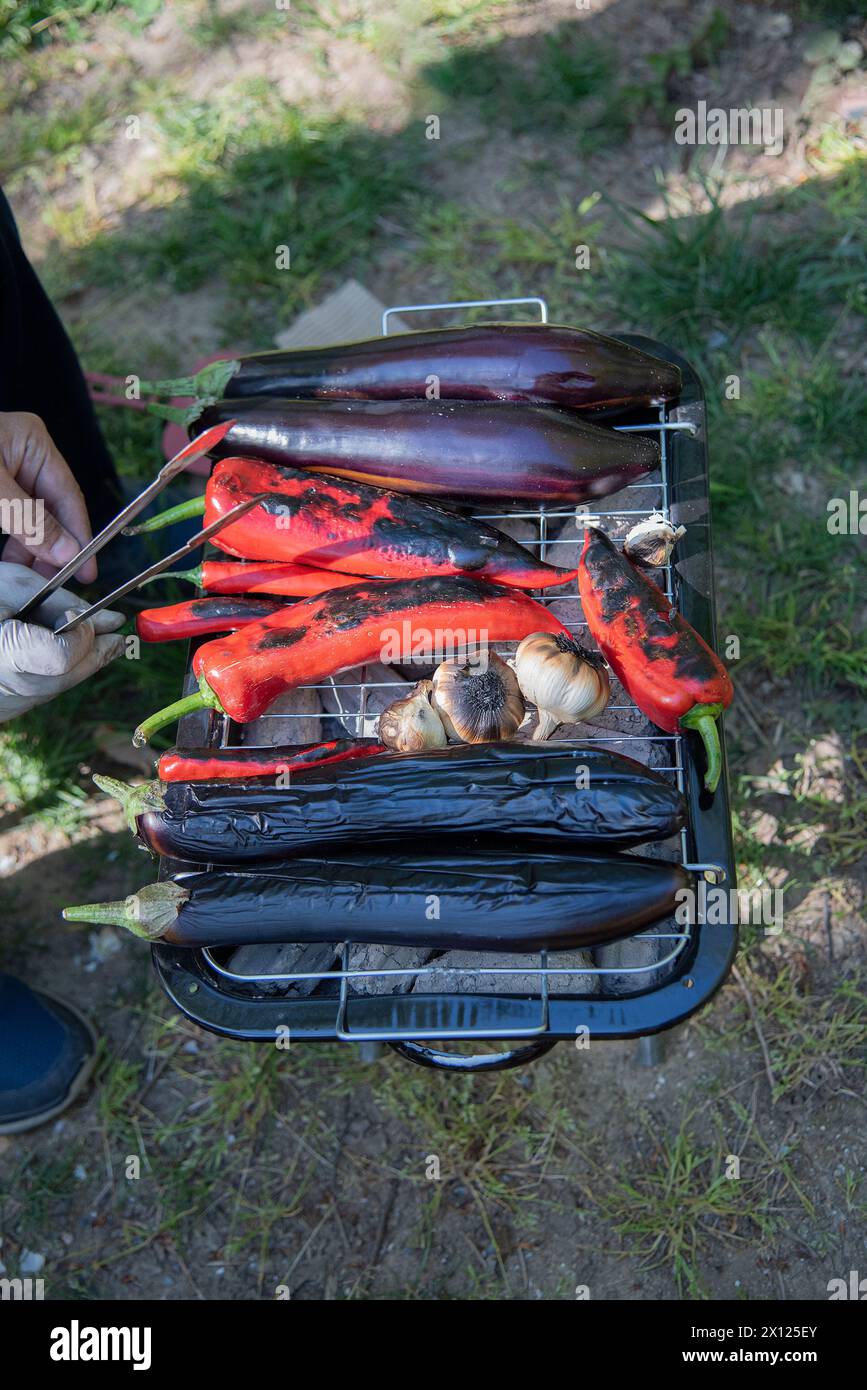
(207, 385)
(135, 800)
(702, 720)
(203, 698)
(148, 913)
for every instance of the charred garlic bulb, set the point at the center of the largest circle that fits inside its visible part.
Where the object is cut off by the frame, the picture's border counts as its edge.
(566, 683)
(652, 541)
(410, 724)
(478, 702)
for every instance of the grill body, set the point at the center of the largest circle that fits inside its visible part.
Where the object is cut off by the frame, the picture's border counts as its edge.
(683, 965)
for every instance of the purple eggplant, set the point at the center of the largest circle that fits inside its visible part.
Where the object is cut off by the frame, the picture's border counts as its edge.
(473, 451)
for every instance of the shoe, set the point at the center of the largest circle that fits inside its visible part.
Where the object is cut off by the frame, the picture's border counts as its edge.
(47, 1055)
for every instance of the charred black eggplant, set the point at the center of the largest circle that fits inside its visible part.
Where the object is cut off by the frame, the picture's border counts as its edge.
(558, 793)
(490, 902)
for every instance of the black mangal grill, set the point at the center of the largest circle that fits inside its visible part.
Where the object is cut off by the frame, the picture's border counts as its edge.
(411, 999)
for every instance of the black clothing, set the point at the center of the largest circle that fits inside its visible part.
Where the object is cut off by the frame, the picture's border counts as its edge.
(40, 372)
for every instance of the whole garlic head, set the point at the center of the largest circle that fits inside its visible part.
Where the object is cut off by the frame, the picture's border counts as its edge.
(478, 703)
(412, 723)
(566, 683)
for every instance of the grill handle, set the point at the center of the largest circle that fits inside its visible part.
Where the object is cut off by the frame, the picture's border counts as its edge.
(483, 1061)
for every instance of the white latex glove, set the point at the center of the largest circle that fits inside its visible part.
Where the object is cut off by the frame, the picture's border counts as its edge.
(35, 664)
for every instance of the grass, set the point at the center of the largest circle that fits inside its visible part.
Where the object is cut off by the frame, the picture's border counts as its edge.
(249, 175)
(567, 67)
(568, 80)
(815, 1036)
(672, 1207)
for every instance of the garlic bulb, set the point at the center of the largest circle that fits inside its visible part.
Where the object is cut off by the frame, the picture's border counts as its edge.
(410, 724)
(566, 683)
(652, 541)
(478, 703)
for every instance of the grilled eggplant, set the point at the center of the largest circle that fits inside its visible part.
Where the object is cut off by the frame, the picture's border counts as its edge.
(556, 794)
(485, 902)
(466, 450)
(529, 363)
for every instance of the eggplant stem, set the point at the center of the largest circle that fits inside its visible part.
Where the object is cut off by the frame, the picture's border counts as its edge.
(183, 415)
(134, 800)
(193, 506)
(148, 913)
(702, 720)
(203, 698)
(207, 385)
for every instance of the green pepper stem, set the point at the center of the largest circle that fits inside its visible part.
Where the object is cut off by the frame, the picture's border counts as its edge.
(702, 720)
(193, 576)
(149, 913)
(134, 800)
(203, 698)
(194, 506)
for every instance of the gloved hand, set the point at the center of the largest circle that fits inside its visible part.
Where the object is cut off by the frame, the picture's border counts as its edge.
(36, 665)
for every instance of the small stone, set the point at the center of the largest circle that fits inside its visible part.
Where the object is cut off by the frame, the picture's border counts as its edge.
(849, 55)
(80, 1173)
(192, 1047)
(103, 945)
(31, 1262)
(775, 26)
(822, 46)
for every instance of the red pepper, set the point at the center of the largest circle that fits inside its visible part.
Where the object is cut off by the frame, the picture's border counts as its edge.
(669, 671)
(220, 764)
(392, 621)
(260, 577)
(199, 616)
(354, 527)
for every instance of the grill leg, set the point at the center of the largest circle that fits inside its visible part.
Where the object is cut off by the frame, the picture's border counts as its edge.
(370, 1051)
(650, 1050)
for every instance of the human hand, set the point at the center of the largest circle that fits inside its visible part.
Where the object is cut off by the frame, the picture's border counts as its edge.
(35, 663)
(42, 507)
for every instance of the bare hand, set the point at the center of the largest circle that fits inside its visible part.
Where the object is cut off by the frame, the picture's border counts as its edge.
(42, 507)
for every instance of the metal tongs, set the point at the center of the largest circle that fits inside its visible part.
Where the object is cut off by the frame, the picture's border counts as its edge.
(154, 570)
(196, 449)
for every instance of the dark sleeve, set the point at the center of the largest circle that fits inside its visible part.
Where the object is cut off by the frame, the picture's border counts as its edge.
(40, 372)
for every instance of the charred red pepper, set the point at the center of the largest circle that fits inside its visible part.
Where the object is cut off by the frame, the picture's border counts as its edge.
(199, 616)
(220, 764)
(260, 577)
(352, 527)
(392, 620)
(668, 669)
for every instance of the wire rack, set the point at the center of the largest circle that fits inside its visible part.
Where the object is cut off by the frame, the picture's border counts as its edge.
(544, 534)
